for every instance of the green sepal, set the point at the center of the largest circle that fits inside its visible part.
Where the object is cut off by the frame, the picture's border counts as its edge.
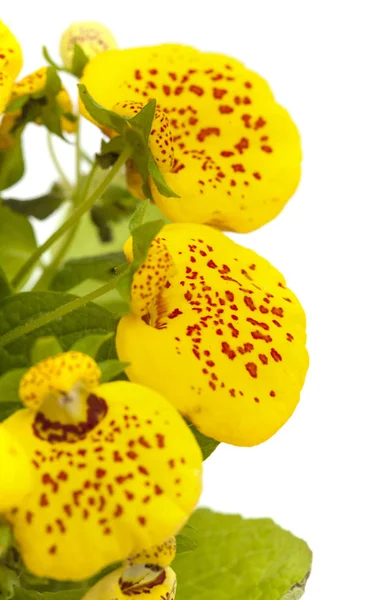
(207, 444)
(9, 386)
(5, 537)
(12, 163)
(158, 178)
(79, 61)
(110, 369)
(132, 130)
(44, 347)
(91, 344)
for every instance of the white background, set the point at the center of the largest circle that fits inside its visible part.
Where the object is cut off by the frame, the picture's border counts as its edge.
(309, 477)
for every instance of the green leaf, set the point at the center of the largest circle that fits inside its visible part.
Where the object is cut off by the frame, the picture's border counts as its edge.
(27, 306)
(41, 207)
(111, 369)
(91, 267)
(9, 386)
(17, 241)
(11, 164)
(207, 444)
(79, 61)
(53, 82)
(104, 117)
(252, 559)
(144, 119)
(5, 287)
(185, 543)
(90, 344)
(72, 594)
(44, 347)
(9, 580)
(51, 118)
(5, 538)
(158, 179)
(139, 215)
(7, 409)
(17, 104)
(143, 236)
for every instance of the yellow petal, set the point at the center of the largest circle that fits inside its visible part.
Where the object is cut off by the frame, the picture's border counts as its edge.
(11, 58)
(91, 36)
(57, 374)
(120, 477)
(31, 84)
(127, 582)
(15, 471)
(6, 84)
(225, 341)
(236, 151)
(161, 555)
(151, 278)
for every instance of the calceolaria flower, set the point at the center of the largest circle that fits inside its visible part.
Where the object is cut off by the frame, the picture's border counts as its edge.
(147, 575)
(214, 328)
(115, 469)
(143, 581)
(32, 85)
(227, 149)
(92, 37)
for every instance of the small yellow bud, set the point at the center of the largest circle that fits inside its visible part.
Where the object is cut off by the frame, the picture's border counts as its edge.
(91, 36)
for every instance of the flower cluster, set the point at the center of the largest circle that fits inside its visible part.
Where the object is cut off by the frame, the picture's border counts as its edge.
(209, 338)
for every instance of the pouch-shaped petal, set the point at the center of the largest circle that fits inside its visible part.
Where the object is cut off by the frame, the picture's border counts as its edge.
(224, 340)
(11, 57)
(139, 580)
(119, 477)
(15, 471)
(236, 151)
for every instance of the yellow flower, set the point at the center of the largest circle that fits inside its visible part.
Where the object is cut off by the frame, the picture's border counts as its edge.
(92, 37)
(141, 580)
(222, 338)
(115, 468)
(11, 61)
(236, 152)
(35, 83)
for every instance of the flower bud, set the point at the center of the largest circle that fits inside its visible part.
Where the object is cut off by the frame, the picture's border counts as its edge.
(92, 37)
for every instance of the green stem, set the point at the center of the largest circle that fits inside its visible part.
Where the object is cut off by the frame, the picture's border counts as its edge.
(72, 220)
(86, 157)
(57, 165)
(63, 310)
(78, 154)
(50, 270)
